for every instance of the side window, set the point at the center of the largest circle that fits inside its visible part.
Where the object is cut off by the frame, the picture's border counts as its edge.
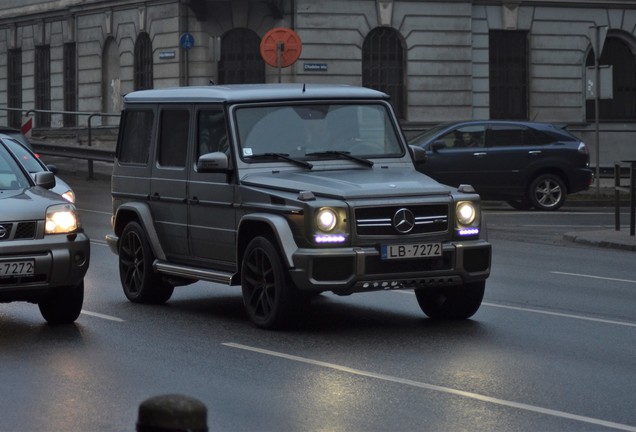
(507, 136)
(173, 137)
(136, 134)
(211, 132)
(465, 137)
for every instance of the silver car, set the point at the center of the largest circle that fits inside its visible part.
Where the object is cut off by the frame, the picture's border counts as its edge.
(34, 164)
(44, 252)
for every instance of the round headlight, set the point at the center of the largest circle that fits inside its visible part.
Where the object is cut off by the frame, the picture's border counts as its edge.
(466, 213)
(326, 219)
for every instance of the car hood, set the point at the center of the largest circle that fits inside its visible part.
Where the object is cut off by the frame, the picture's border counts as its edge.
(29, 203)
(350, 184)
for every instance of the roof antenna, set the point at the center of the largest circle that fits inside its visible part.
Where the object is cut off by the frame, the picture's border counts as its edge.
(303, 87)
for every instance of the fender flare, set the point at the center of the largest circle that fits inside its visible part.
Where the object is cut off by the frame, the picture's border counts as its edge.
(281, 229)
(144, 217)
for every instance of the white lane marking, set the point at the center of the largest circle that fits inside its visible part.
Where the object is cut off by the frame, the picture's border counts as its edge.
(102, 316)
(99, 242)
(437, 388)
(560, 314)
(545, 312)
(593, 277)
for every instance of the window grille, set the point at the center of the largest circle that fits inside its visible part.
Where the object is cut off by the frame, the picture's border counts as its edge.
(14, 86)
(143, 62)
(241, 60)
(622, 107)
(508, 66)
(42, 85)
(70, 84)
(383, 61)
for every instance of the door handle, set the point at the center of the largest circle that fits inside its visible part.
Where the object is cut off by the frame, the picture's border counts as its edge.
(193, 200)
(480, 154)
(155, 197)
(534, 152)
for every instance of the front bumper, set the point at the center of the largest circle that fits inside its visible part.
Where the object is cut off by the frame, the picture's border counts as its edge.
(351, 270)
(60, 260)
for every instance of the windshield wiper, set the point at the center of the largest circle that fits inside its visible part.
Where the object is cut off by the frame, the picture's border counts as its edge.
(281, 156)
(343, 154)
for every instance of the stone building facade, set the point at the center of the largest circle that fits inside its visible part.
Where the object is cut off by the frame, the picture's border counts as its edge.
(439, 60)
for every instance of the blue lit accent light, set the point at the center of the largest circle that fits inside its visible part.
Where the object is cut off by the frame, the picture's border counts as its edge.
(325, 238)
(468, 231)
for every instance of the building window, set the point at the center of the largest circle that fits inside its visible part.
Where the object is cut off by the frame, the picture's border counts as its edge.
(622, 107)
(383, 62)
(508, 59)
(143, 62)
(14, 86)
(70, 84)
(43, 85)
(241, 60)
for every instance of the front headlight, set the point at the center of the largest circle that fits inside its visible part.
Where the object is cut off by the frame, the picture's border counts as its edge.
(61, 219)
(466, 212)
(326, 219)
(330, 226)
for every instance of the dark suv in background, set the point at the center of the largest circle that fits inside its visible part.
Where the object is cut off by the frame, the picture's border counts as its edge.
(527, 164)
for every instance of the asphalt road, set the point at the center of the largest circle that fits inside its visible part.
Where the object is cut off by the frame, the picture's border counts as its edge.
(551, 349)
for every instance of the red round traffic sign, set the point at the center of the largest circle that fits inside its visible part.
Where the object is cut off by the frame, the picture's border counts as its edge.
(280, 43)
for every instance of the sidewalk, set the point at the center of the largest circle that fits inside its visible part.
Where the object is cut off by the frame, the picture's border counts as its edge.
(604, 197)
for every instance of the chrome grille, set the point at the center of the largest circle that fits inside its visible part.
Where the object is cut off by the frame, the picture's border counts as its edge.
(378, 221)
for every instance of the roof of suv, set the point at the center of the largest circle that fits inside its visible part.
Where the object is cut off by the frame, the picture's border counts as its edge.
(253, 92)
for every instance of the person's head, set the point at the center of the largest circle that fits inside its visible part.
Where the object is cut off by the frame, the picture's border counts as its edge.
(467, 137)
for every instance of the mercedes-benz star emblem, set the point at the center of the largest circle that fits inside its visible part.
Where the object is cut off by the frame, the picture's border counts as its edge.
(3, 232)
(404, 220)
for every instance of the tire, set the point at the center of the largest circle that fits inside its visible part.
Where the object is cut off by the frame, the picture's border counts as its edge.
(523, 204)
(138, 279)
(547, 192)
(453, 302)
(270, 299)
(64, 304)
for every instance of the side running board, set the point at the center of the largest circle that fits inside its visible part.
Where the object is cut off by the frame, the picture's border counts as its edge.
(193, 272)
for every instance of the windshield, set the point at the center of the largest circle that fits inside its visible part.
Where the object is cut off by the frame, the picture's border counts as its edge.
(11, 177)
(25, 157)
(308, 131)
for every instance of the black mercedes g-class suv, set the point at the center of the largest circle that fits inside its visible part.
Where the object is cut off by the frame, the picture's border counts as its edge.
(287, 190)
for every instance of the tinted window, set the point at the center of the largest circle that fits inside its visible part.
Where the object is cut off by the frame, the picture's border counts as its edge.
(464, 137)
(508, 135)
(136, 135)
(173, 137)
(212, 133)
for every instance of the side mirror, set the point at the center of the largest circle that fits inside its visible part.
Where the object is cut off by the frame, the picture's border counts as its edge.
(45, 179)
(52, 168)
(213, 162)
(418, 154)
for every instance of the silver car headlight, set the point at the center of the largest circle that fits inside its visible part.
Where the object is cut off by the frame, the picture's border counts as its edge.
(61, 219)
(467, 218)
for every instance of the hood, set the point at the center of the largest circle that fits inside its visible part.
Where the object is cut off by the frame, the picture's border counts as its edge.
(351, 184)
(27, 204)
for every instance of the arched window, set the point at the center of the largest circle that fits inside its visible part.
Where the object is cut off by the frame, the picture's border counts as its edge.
(143, 62)
(383, 60)
(241, 60)
(617, 53)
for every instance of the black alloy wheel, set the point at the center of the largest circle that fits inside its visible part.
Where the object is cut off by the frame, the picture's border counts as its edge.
(453, 302)
(140, 282)
(547, 192)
